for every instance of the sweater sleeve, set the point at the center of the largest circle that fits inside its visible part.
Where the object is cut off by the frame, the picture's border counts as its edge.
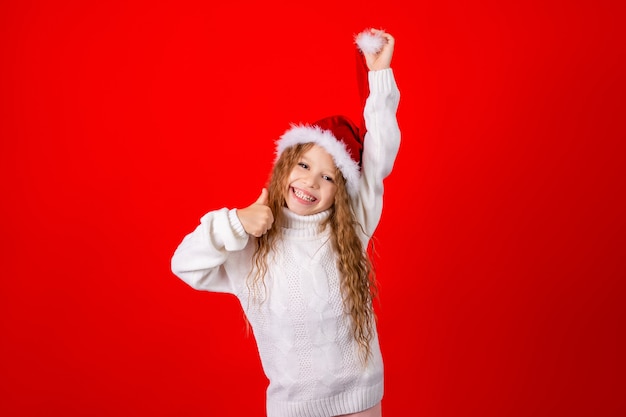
(209, 257)
(380, 147)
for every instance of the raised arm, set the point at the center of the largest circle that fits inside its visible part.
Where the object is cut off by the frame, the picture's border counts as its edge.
(382, 139)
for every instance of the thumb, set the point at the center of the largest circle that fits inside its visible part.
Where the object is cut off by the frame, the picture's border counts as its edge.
(263, 198)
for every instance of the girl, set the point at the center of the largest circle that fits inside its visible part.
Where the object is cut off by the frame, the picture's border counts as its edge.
(297, 259)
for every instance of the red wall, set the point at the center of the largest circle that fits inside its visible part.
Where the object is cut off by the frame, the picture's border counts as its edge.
(502, 246)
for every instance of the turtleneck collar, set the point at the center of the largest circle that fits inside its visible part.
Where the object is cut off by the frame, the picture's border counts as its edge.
(303, 226)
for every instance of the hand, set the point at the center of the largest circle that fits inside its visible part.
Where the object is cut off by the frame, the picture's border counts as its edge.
(257, 218)
(382, 59)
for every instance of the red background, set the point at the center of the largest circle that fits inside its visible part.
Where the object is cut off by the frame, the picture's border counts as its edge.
(502, 244)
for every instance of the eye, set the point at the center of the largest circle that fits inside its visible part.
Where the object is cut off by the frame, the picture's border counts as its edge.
(328, 178)
(303, 165)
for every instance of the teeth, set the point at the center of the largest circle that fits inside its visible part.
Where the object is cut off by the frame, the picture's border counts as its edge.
(303, 196)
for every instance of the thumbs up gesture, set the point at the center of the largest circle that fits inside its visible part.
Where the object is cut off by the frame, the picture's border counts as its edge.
(257, 218)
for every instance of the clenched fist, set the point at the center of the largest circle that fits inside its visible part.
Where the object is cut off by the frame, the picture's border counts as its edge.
(382, 59)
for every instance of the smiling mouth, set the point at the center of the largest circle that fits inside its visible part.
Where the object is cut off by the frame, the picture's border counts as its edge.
(303, 196)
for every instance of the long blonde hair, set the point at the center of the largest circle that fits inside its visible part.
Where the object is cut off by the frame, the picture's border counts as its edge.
(357, 277)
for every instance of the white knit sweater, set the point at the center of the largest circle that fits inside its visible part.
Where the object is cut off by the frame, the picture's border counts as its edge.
(303, 335)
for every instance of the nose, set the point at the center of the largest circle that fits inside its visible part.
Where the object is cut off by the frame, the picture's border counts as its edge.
(312, 181)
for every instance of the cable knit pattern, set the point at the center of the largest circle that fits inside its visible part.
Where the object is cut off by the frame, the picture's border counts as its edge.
(315, 356)
(303, 334)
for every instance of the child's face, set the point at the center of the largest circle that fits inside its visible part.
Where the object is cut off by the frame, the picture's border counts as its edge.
(311, 185)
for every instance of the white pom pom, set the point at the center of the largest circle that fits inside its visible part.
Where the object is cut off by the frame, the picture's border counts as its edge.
(368, 42)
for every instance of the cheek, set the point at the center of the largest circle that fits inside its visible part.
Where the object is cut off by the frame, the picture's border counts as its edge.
(290, 178)
(286, 185)
(331, 193)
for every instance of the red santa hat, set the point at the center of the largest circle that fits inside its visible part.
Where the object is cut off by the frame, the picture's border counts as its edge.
(338, 135)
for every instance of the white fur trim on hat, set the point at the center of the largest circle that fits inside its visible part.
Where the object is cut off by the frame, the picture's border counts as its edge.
(368, 42)
(300, 134)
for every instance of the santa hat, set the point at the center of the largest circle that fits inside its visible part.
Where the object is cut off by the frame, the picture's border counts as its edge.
(338, 135)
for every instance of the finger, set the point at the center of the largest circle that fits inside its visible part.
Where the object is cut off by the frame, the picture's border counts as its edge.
(390, 39)
(261, 233)
(382, 34)
(263, 198)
